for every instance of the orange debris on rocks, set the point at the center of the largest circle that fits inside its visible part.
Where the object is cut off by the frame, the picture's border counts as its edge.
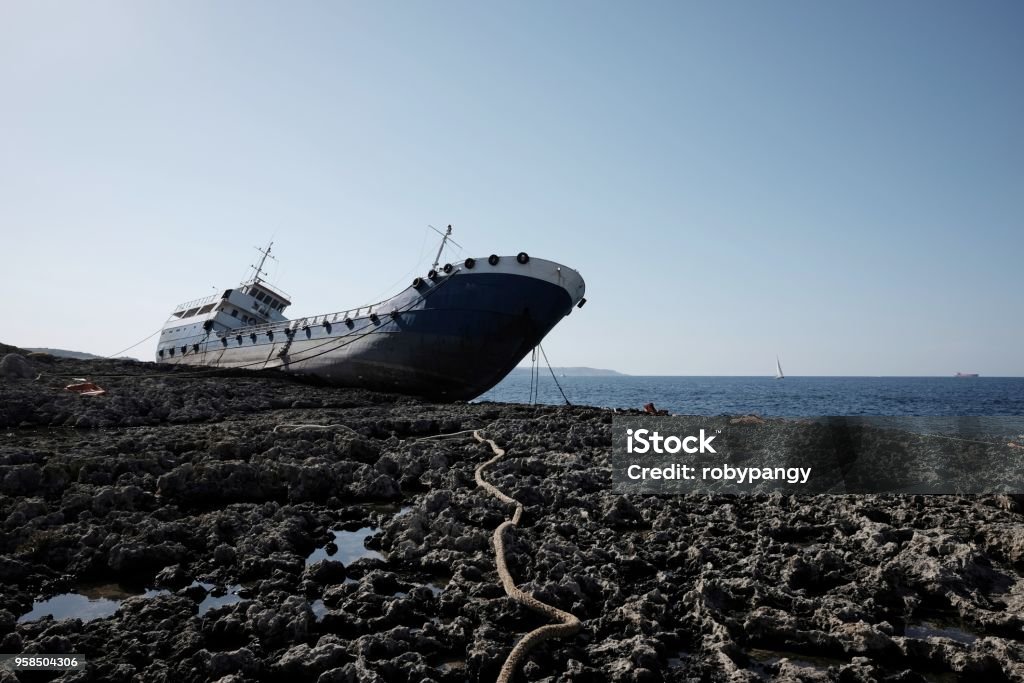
(86, 389)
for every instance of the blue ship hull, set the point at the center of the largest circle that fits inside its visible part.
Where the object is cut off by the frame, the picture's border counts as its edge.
(449, 338)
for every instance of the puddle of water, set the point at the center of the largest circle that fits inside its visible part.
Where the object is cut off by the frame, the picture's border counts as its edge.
(99, 601)
(350, 547)
(804, 661)
(89, 602)
(319, 610)
(218, 596)
(931, 629)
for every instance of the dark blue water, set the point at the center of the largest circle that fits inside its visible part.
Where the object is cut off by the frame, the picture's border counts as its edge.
(791, 397)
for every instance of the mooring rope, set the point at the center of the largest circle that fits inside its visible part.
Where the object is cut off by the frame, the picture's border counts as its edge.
(114, 355)
(569, 623)
(552, 371)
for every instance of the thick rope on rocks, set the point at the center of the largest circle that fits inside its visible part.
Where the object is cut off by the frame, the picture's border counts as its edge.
(569, 623)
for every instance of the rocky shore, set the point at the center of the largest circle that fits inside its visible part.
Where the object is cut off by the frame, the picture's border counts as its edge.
(237, 526)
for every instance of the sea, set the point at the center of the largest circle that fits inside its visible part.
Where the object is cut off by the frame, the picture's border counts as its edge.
(768, 397)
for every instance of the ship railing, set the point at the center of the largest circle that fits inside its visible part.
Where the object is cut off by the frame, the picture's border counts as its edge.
(274, 289)
(195, 303)
(310, 321)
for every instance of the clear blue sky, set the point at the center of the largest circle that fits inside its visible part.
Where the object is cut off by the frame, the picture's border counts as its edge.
(841, 184)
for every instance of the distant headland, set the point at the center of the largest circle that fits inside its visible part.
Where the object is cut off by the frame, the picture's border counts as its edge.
(66, 353)
(573, 372)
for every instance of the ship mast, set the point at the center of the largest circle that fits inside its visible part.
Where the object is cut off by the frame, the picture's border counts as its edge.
(445, 237)
(259, 269)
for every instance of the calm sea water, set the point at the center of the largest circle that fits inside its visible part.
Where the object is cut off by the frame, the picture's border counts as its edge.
(791, 397)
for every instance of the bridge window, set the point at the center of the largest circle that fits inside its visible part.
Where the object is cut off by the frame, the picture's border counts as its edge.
(234, 312)
(259, 296)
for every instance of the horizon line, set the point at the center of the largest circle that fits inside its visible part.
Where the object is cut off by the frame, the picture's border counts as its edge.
(619, 373)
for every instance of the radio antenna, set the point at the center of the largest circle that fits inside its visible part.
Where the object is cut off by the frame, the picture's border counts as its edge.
(445, 238)
(259, 269)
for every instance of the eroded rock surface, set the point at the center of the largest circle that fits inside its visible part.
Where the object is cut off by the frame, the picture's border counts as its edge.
(361, 552)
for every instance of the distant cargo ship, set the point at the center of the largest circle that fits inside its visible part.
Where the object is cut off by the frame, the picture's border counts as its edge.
(451, 335)
(966, 374)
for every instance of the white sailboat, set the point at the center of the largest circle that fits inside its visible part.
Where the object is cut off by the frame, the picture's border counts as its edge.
(778, 369)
